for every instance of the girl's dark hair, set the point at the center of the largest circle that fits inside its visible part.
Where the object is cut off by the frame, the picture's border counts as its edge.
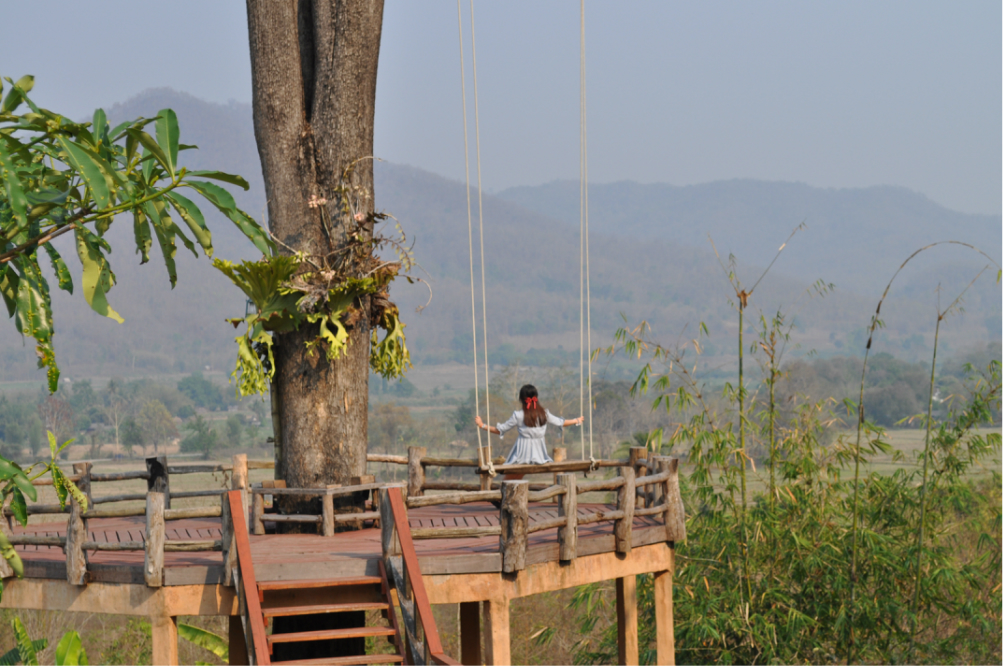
(536, 415)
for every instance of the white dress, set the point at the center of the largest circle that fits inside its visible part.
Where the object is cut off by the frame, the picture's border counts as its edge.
(530, 447)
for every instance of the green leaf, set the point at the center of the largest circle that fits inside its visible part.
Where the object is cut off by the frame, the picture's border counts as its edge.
(16, 94)
(97, 277)
(225, 177)
(141, 230)
(13, 560)
(147, 141)
(25, 646)
(59, 267)
(192, 216)
(70, 651)
(10, 471)
(99, 125)
(12, 184)
(33, 315)
(9, 282)
(89, 169)
(13, 656)
(167, 137)
(223, 200)
(52, 443)
(216, 644)
(165, 239)
(59, 484)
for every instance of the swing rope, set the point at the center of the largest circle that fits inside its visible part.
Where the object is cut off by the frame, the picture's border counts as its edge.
(484, 449)
(585, 291)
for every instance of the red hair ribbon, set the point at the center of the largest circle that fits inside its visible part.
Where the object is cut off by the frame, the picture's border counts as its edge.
(532, 403)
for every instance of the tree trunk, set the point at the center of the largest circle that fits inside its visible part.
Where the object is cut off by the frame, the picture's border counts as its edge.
(313, 66)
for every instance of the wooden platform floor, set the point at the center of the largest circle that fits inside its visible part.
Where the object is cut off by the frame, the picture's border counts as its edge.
(299, 556)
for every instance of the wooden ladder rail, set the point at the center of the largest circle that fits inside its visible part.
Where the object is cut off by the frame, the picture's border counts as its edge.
(401, 563)
(247, 586)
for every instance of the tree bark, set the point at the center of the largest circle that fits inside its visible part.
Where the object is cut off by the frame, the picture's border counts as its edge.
(313, 66)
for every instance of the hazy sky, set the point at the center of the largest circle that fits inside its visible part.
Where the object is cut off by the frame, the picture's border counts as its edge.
(835, 94)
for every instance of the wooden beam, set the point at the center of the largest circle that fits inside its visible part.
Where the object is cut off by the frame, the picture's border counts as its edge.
(626, 497)
(165, 640)
(133, 599)
(249, 585)
(497, 643)
(76, 530)
(626, 620)
(470, 632)
(514, 525)
(567, 507)
(226, 536)
(665, 642)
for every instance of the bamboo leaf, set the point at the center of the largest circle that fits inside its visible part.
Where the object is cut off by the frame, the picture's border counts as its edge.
(167, 138)
(216, 644)
(25, 646)
(70, 651)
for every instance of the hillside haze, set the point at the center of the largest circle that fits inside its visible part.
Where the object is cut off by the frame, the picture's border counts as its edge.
(650, 259)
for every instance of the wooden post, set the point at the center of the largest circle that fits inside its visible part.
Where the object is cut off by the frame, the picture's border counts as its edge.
(228, 541)
(153, 564)
(76, 530)
(665, 642)
(159, 480)
(626, 496)
(496, 630)
(654, 491)
(238, 644)
(327, 512)
(567, 505)
(388, 531)
(514, 525)
(415, 472)
(165, 640)
(482, 462)
(257, 511)
(239, 480)
(470, 632)
(637, 453)
(675, 513)
(626, 620)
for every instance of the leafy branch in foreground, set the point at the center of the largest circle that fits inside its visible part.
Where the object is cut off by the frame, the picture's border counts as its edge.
(331, 292)
(59, 176)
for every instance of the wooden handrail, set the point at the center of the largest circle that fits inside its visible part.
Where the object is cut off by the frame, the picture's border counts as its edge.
(245, 579)
(423, 609)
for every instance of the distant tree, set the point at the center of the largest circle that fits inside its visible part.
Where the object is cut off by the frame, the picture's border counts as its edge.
(389, 426)
(57, 417)
(35, 436)
(116, 406)
(131, 436)
(259, 410)
(156, 423)
(202, 392)
(202, 438)
(234, 429)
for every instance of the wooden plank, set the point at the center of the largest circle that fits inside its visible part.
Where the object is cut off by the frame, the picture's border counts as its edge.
(153, 564)
(330, 634)
(351, 660)
(321, 609)
(410, 559)
(249, 584)
(453, 498)
(391, 614)
(313, 583)
(461, 564)
(626, 497)
(626, 620)
(419, 533)
(514, 523)
(193, 575)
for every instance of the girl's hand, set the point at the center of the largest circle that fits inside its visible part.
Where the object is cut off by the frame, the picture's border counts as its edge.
(479, 422)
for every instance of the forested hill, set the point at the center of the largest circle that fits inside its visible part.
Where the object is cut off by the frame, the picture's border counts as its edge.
(858, 236)
(532, 268)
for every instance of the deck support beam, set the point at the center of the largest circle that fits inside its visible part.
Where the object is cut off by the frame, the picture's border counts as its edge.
(626, 620)
(665, 642)
(238, 646)
(165, 640)
(496, 632)
(470, 632)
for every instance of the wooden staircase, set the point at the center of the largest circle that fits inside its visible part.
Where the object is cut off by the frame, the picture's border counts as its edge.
(261, 603)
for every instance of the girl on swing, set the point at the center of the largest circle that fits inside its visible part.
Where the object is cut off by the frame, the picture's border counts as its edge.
(531, 421)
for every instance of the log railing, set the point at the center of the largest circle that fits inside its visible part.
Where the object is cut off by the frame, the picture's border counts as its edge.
(327, 519)
(400, 562)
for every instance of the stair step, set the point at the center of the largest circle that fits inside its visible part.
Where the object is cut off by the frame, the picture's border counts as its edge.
(319, 609)
(354, 659)
(317, 582)
(327, 634)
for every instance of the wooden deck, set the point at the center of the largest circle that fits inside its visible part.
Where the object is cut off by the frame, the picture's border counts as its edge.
(288, 557)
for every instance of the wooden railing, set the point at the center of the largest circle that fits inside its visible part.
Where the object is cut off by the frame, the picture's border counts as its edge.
(240, 574)
(400, 562)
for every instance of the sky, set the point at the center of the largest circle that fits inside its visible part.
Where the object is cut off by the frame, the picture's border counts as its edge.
(832, 94)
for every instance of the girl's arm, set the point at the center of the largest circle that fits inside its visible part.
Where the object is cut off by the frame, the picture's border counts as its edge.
(571, 422)
(489, 428)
